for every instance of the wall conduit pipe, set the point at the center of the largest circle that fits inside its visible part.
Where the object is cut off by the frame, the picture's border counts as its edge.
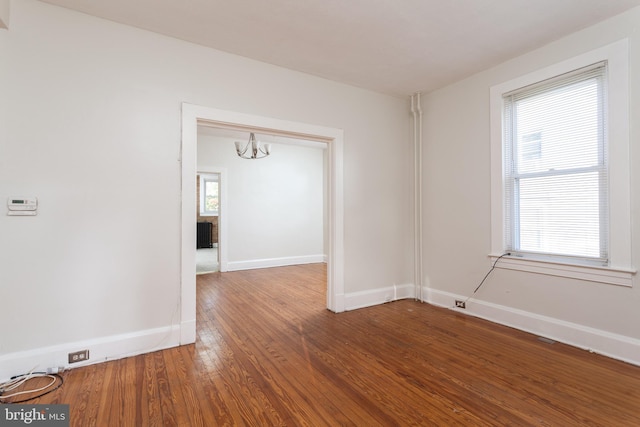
(416, 111)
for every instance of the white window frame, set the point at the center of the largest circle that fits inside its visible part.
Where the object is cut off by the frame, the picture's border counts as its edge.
(204, 178)
(620, 270)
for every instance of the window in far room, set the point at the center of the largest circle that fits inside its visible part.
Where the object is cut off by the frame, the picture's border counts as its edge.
(209, 195)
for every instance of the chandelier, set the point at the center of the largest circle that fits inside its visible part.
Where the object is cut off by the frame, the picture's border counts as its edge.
(257, 151)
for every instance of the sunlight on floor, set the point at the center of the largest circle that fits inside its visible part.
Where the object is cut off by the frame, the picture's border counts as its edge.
(207, 260)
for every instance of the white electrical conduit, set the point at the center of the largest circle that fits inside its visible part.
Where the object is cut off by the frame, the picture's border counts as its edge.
(416, 111)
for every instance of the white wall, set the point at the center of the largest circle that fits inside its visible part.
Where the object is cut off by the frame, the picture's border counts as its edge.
(275, 206)
(90, 125)
(4, 13)
(457, 212)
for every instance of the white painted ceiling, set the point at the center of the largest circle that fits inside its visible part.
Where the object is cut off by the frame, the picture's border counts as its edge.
(396, 47)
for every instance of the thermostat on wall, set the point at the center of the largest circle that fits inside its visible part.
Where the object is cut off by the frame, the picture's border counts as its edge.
(22, 207)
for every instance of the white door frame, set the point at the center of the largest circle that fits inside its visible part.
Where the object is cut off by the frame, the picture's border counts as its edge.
(194, 114)
(223, 259)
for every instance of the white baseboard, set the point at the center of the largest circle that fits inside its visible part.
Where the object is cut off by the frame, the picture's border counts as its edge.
(119, 346)
(274, 262)
(188, 333)
(355, 300)
(595, 340)
(100, 350)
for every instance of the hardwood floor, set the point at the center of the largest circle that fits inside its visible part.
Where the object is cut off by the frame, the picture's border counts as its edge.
(269, 354)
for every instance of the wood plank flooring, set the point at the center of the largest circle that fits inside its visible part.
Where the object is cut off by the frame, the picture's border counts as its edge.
(268, 353)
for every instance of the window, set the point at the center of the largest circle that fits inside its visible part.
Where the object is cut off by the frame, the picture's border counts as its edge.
(531, 146)
(560, 173)
(556, 198)
(209, 195)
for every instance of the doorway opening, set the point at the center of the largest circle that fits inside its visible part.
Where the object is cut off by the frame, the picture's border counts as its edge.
(207, 224)
(192, 116)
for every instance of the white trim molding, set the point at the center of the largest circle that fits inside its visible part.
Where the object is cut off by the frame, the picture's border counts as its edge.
(369, 298)
(222, 214)
(274, 262)
(100, 350)
(612, 276)
(594, 340)
(194, 115)
(620, 269)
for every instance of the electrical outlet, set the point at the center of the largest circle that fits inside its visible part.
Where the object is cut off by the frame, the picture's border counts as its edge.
(79, 356)
(460, 304)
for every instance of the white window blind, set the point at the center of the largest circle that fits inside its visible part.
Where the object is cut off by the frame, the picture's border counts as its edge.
(555, 154)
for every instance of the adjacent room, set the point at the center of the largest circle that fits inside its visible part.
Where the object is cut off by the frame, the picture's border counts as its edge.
(321, 212)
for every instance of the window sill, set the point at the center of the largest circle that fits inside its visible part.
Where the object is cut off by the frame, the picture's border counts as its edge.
(608, 275)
